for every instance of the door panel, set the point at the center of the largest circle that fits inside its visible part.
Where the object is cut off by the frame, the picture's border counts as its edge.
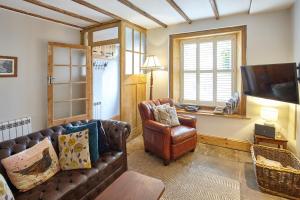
(133, 83)
(69, 83)
(141, 96)
(129, 100)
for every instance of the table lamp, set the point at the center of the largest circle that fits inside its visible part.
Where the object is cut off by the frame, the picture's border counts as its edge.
(270, 115)
(151, 64)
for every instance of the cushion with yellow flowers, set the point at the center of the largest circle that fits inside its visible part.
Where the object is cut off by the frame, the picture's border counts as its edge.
(74, 150)
(5, 192)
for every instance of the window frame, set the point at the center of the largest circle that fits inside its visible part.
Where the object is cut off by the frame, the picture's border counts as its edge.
(133, 52)
(214, 70)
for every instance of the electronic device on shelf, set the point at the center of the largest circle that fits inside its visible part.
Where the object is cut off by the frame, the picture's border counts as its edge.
(265, 130)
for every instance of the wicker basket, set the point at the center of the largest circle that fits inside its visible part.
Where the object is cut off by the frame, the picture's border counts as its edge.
(283, 181)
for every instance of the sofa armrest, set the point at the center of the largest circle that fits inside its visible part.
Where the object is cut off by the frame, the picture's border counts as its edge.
(117, 132)
(187, 120)
(157, 127)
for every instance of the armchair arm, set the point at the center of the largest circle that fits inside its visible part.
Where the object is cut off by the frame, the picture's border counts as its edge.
(157, 138)
(187, 120)
(157, 127)
(117, 132)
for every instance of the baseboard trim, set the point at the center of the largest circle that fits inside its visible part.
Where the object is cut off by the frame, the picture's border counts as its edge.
(225, 142)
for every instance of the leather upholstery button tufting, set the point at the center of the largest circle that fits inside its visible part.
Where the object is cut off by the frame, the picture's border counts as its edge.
(74, 184)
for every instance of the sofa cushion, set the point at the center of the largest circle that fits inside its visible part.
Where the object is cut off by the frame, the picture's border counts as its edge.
(5, 192)
(181, 133)
(103, 144)
(33, 166)
(74, 184)
(93, 137)
(74, 150)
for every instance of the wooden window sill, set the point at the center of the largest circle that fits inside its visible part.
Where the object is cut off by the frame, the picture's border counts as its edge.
(210, 113)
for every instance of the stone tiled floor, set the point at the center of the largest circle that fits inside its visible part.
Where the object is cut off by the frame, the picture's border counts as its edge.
(224, 162)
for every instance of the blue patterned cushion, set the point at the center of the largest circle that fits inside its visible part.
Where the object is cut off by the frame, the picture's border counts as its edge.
(93, 137)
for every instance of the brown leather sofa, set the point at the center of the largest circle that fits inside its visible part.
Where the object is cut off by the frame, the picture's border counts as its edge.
(167, 142)
(80, 184)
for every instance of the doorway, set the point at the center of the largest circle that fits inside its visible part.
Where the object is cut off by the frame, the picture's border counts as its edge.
(106, 81)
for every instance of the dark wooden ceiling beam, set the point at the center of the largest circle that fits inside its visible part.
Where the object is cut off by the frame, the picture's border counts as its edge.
(39, 16)
(215, 8)
(96, 8)
(62, 11)
(249, 11)
(137, 9)
(179, 10)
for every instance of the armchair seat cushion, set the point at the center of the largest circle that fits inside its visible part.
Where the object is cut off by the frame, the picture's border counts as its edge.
(182, 133)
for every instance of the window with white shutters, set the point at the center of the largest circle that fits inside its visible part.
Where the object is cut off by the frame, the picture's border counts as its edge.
(208, 70)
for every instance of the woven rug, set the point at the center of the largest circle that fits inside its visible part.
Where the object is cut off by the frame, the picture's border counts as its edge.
(184, 179)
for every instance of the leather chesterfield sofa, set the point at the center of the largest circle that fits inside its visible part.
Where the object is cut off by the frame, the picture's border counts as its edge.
(83, 184)
(167, 142)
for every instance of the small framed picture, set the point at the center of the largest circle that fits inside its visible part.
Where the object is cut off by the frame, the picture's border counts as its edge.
(8, 66)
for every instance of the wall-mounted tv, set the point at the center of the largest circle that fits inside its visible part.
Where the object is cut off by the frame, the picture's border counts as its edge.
(275, 81)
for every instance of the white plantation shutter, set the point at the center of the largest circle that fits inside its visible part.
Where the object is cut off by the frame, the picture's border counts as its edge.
(208, 70)
(206, 86)
(190, 56)
(224, 55)
(206, 78)
(189, 66)
(206, 55)
(224, 70)
(224, 86)
(190, 86)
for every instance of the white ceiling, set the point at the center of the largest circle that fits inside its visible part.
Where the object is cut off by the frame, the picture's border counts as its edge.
(160, 9)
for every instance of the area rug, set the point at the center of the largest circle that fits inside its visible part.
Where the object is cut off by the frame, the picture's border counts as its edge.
(184, 179)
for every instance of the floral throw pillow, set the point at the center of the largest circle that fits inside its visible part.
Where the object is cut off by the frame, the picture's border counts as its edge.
(74, 150)
(5, 192)
(32, 166)
(157, 109)
(166, 114)
(173, 116)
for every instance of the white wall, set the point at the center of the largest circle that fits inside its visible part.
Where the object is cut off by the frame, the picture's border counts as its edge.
(296, 48)
(269, 41)
(26, 38)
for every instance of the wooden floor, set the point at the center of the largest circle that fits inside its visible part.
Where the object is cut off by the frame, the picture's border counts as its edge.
(228, 163)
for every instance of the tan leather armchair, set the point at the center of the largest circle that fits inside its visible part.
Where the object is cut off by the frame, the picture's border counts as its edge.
(167, 142)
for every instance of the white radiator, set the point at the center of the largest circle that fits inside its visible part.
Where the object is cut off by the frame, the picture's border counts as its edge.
(15, 128)
(97, 110)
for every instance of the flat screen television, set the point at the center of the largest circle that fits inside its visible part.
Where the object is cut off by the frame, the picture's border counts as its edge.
(275, 81)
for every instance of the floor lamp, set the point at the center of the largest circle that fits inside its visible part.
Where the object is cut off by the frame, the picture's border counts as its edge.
(151, 64)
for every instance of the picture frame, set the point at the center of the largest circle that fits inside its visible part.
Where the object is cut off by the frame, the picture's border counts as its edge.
(8, 66)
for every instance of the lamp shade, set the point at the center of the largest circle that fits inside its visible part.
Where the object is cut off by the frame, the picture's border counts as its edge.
(152, 63)
(269, 114)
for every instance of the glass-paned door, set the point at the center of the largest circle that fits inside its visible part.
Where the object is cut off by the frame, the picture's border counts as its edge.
(69, 83)
(135, 45)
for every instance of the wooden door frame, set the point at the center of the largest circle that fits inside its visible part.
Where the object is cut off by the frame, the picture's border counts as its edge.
(92, 43)
(88, 115)
(121, 40)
